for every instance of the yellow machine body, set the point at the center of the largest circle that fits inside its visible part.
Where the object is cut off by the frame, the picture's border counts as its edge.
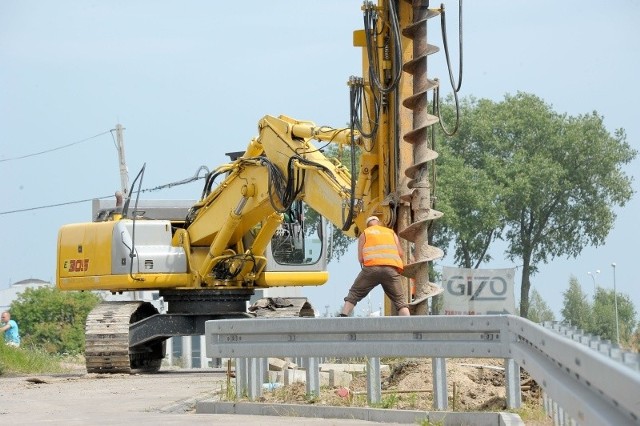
(224, 240)
(249, 228)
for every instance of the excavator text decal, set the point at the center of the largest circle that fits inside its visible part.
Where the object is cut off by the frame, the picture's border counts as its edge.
(76, 265)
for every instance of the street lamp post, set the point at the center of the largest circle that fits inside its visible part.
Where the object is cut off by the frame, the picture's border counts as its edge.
(615, 302)
(593, 277)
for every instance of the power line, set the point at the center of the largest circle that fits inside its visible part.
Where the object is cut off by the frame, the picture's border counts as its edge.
(193, 178)
(54, 205)
(157, 188)
(54, 149)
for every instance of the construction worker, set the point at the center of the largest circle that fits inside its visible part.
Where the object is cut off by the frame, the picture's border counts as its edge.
(380, 257)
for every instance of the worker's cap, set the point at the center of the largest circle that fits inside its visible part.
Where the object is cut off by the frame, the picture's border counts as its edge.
(370, 218)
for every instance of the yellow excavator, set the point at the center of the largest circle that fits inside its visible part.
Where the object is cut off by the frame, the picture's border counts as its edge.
(248, 230)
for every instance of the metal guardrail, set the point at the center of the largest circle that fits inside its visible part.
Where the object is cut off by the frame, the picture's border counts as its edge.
(604, 346)
(591, 388)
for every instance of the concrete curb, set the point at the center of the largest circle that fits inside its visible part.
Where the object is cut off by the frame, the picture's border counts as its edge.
(369, 414)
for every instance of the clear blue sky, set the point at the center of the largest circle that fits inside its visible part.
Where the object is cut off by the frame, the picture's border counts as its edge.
(189, 80)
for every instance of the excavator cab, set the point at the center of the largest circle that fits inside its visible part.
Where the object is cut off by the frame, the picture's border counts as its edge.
(301, 241)
(300, 244)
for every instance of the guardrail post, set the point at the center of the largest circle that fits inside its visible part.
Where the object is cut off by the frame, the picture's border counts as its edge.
(512, 380)
(439, 373)
(562, 416)
(241, 376)
(265, 369)
(568, 420)
(546, 402)
(255, 378)
(604, 347)
(585, 339)
(615, 353)
(374, 391)
(313, 376)
(556, 414)
(632, 360)
(301, 361)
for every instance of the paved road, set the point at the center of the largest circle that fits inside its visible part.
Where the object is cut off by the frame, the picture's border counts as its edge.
(165, 398)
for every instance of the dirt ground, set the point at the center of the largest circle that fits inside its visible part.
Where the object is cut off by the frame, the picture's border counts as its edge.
(166, 398)
(473, 386)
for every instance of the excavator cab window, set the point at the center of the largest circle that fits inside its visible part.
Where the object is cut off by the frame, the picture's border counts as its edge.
(299, 240)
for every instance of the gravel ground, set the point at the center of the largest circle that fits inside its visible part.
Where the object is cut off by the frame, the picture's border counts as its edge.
(166, 398)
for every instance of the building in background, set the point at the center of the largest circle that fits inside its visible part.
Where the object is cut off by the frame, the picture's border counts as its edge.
(8, 295)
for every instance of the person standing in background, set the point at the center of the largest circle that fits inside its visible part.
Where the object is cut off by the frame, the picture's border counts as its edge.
(10, 329)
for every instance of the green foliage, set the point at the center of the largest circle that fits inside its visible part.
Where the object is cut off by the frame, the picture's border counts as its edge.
(599, 318)
(577, 309)
(539, 310)
(413, 400)
(23, 361)
(427, 422)
(604, 314)
(552, 179)
(437, 305)
(312, 397)
(635, 340)
(53, 320)
(389, 401)
(466, 191)
(338, 242)
(531, 413)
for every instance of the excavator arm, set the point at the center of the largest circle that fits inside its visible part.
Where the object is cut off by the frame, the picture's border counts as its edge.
(235, 221)
(226, 233)
(279, 166)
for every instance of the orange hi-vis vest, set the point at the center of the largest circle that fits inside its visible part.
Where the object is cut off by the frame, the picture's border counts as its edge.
(379, 248)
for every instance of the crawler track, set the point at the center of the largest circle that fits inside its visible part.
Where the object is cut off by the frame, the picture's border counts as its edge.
(107, 339)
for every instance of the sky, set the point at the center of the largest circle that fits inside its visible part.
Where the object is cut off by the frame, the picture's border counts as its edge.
(189, 81)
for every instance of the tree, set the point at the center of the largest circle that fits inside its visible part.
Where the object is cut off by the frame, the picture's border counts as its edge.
(577, 309)
(604, 324)
(635, 340)
(470, 203)
(539, 310)
(464, 191)
(339, 242)
(53, 320)
(557, 178)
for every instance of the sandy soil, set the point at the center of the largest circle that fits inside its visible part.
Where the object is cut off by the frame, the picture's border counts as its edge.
(474, 385)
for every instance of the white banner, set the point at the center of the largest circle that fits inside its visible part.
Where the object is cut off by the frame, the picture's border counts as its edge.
(478, 291)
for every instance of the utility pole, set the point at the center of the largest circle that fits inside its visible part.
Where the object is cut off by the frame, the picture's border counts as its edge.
(593, 277)
(124, 173)
(124, 183)
(615, 301)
